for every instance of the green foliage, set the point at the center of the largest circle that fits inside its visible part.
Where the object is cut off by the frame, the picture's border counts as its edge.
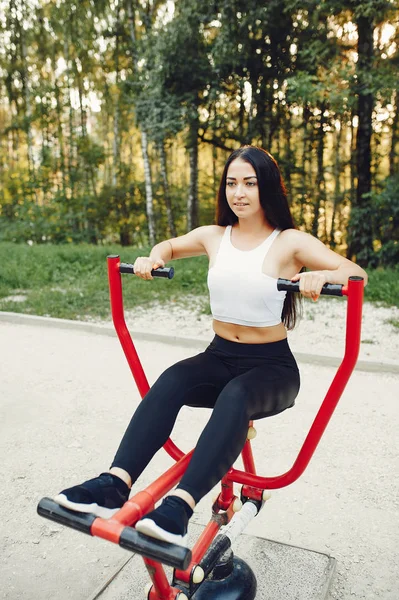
(360, 234)
(386, 222)
(383, 286)
(377, 219)
(183, 48)
(79, 80)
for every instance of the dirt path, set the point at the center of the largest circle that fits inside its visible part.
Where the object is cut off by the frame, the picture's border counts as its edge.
(65, 400)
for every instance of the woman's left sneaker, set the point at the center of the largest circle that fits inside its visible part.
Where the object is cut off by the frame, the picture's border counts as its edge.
(102, 496)
(168, 522)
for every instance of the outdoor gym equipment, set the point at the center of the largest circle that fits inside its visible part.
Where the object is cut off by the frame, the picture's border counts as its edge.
(209, 570)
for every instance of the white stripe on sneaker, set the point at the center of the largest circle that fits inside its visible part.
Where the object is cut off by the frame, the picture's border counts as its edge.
(150, 528)
(94, 508)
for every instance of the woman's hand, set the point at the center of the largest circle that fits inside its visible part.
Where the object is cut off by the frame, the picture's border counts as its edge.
(311, 282)
(143, 266)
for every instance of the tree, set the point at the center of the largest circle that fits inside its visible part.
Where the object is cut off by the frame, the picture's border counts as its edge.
(185, 77)
(108, 109)
(366, 15)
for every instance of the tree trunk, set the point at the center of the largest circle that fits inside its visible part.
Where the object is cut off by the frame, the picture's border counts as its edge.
(241, 112)
(106, 119)
(148, 189)
(144, 140)
(88, 224)
(289, 155)
(71, 146)
(304, 165)
(214, 171)
(149, 202)
(394, 135)
(337, 183)
(270, 125)
(263, 116)
(166, 194)
(249, 136)
(275, 116)
(60, 135)
(352, 161)
(28, 110)
(320, 181)
(192, 202)
(116, 144)
(360, 226)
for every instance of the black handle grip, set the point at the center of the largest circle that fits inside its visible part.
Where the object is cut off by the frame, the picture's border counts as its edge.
(49, 509)
(167, 272)
(328, 289)
(173, 555)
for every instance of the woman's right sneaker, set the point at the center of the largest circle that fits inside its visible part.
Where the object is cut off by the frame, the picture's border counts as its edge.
(102, 496)
(168, 522)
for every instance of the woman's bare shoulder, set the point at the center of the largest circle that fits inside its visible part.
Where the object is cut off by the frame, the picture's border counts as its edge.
(200, 240)
(295, 237)
(212, 235)
(213, 230)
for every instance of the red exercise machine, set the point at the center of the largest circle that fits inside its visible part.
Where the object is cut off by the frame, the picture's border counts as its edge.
(209, 569)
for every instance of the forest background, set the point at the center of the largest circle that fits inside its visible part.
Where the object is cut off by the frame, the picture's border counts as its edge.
(116, 117)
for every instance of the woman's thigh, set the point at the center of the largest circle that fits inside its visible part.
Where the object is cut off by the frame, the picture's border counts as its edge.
(195, 381)
(265, 390)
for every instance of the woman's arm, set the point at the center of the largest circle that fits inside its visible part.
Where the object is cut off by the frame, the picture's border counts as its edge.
(192, 243)
(324, 265)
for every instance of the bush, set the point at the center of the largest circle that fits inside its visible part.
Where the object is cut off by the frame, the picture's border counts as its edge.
(386, 222)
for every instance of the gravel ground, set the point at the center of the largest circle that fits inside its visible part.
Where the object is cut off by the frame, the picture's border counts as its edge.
(66, 397)
(321, 329)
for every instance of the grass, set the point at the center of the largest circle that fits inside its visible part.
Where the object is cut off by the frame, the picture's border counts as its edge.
(383, 287)
(71, 281)
(393, 322)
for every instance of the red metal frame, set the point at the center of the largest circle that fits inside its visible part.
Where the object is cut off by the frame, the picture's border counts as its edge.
(115, 290)
(144, 501)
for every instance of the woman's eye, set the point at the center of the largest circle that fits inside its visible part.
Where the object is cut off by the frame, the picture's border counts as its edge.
(234, 183)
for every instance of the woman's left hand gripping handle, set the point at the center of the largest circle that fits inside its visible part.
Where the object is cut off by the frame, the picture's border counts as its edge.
(144, 265)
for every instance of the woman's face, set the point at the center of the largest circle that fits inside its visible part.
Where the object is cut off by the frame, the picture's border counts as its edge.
(242, 191)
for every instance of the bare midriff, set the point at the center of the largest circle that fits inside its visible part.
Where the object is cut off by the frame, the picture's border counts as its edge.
(249, 335)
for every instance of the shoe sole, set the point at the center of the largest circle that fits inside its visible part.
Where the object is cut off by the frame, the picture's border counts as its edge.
(95, 509)
(150, 528)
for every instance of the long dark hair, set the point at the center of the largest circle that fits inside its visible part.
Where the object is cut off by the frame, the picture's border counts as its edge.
(273, 199)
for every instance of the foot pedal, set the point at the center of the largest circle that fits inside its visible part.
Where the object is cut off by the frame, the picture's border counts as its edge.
(49, 509)
(172, 555)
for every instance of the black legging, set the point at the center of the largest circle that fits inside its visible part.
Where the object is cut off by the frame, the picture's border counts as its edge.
(239, 381)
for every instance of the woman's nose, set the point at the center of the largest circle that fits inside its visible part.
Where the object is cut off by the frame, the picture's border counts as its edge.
(239, 190)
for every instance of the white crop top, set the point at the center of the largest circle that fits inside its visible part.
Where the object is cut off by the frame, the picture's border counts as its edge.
(239, 292)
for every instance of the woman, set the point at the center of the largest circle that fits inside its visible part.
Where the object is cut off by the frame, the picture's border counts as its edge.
(248, 371)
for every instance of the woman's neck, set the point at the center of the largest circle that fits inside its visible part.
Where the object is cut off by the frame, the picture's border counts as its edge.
(253, 227)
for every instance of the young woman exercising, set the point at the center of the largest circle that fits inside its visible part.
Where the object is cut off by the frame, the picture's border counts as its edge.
(248, 371)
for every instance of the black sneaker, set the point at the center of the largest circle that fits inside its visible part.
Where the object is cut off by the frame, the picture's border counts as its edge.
(168, 522)
(102, 496)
